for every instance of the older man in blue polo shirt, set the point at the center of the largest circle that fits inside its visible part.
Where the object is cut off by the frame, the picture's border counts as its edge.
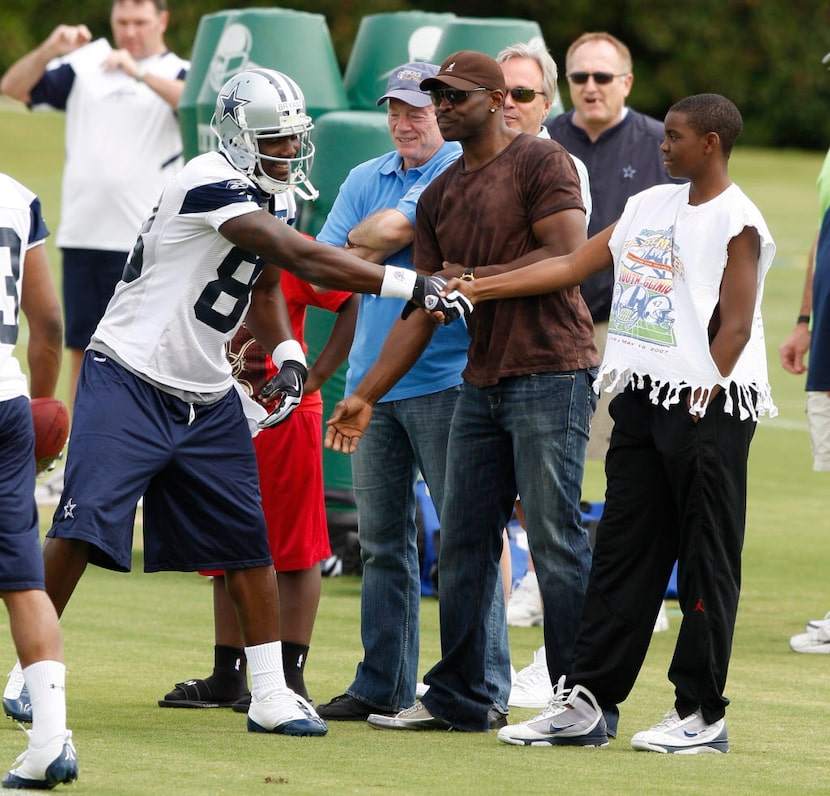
(374, 216)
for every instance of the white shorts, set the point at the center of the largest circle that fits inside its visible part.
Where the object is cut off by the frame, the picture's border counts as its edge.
(818, 419)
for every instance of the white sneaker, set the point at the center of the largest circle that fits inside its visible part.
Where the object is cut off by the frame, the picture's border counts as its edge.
(814, 624)
(285, 713)
(662, 621)
(689, 736)
(532, 687)
(524, 608)
(816, 639)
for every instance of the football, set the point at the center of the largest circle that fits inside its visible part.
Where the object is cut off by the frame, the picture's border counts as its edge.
(50, 419)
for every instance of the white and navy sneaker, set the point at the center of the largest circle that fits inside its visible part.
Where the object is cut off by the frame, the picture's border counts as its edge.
(285, 713)
(688, 736)
(40, 769)
(16, 702)
(573, 718)
(816, 639)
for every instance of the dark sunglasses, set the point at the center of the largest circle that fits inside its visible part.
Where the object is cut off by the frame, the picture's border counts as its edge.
(523, 94)
(455, 96)
(600, 78)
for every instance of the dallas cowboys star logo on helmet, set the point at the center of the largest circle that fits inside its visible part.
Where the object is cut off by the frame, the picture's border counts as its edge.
(231, 104)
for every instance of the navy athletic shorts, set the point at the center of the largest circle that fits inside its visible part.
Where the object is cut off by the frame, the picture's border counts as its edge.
(193, 464)
(89, 280)
(21, 560)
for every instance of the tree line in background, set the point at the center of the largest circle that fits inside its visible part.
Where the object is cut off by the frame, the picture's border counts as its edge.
(765, 55)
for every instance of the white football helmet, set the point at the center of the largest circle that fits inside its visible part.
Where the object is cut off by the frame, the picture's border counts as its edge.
(264, 103)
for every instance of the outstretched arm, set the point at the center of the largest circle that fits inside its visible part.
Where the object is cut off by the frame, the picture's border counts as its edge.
(259, 232)
(543, 276)
(794, 349)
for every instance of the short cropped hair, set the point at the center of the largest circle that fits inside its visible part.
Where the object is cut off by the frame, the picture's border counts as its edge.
(712, 113)
(161, 5)
(537, 52)
(622, 50)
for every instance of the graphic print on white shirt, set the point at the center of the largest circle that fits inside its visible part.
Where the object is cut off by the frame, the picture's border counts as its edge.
(642, 306)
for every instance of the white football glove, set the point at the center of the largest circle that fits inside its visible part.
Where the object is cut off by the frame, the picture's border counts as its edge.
(288, 383)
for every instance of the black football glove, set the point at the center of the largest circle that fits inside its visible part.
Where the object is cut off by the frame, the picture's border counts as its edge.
(288, 383)
(426, 294)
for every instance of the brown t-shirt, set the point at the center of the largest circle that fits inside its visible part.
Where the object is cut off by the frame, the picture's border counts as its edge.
(484, 217)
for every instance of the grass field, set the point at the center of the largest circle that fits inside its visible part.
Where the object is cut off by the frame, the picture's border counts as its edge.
(130, 637)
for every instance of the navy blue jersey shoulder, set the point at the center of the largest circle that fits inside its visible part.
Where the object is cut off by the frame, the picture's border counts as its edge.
(212, 196)
(38, 229)
(53, 87)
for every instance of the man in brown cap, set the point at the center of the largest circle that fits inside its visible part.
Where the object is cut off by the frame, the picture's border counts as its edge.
(520, 424)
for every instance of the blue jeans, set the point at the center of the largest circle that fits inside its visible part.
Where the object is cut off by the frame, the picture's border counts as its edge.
(404, 438)
(526, 435)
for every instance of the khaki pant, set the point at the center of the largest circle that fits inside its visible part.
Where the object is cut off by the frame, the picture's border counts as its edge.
(818, 419)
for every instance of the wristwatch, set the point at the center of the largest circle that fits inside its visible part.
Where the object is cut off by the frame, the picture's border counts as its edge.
(468, 275)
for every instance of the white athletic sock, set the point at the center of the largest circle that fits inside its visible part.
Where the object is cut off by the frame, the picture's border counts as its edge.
(265, 666)
(47, 690)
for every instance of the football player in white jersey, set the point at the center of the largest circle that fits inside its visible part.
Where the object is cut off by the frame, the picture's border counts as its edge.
(50, 757)
(156, 414)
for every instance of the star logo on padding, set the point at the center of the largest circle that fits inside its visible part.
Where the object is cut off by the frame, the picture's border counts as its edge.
(231, 105)
(69, 509)
(629, 172)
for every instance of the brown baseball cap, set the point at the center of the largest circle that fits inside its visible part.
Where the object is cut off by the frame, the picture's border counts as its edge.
(467, 69)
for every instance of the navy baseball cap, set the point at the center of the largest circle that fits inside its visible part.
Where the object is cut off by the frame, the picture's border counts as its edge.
(404, 84)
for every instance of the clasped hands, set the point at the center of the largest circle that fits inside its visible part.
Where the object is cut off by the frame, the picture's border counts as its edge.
(443, 302)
